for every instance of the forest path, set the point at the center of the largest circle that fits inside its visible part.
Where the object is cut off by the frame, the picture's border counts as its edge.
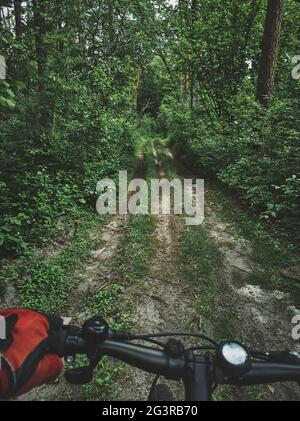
(163, 300)
(259, 317)
(96, 273)
(243, 309)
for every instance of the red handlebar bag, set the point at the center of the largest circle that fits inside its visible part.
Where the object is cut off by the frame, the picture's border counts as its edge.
(25, 361)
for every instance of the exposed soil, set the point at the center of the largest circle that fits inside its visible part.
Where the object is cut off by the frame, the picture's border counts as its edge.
(261, 317)
(96, 272)
(164, 302)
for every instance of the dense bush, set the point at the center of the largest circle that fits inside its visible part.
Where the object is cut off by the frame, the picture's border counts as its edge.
(256, 153)
(52, 172)
(62, 178)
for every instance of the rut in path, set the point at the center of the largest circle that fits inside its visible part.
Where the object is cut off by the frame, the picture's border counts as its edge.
(162, 301)
(96, 272)
(262, 318)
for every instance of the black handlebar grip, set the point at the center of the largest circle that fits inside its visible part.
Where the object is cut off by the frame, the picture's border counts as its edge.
(57, 341)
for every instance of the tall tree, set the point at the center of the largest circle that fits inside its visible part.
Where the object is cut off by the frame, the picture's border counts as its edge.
(270, 46)
(194, 12)
(39, 14)
(40, 30)
(18, 18)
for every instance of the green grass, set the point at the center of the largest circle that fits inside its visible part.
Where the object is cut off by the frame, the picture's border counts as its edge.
(149, 159)
(200, 259)
(48, 282)
(167, 162)
(131, 264)
(138, 245)
(113, 305)
(231, 393)
(107, 302)
(132, 261)
(44, 284)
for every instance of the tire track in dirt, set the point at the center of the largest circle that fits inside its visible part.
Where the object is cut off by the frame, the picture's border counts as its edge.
(162, 301)
(96, 272)
(263, 317)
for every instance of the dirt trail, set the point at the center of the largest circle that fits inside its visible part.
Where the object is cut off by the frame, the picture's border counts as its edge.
(262, 317)
(96, 272)
(162, 301)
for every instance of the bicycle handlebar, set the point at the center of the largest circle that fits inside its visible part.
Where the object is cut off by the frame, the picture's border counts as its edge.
(157, 362)
(145, 358)
(140, 356)
(198, 372)
(262, 373)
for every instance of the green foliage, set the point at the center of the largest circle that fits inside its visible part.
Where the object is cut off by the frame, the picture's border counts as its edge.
(6, 95)
(214, 122)
(47, 283)
(65, 123)
(256, 154)
(200, 261)
(46, 288)
(133, 259)
(105, 302)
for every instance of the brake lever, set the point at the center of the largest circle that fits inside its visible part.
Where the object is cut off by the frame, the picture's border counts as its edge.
(94, 332)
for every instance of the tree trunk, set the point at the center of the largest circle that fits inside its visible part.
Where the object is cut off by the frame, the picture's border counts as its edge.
(186, 81)
(39, 20)
(59, 25)
(182, 10)
(79, 7)
(8, 19)
(136, 87)
(2, 20)
(194, 11)
(18, 18)
(40, 32)
(270, 46)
